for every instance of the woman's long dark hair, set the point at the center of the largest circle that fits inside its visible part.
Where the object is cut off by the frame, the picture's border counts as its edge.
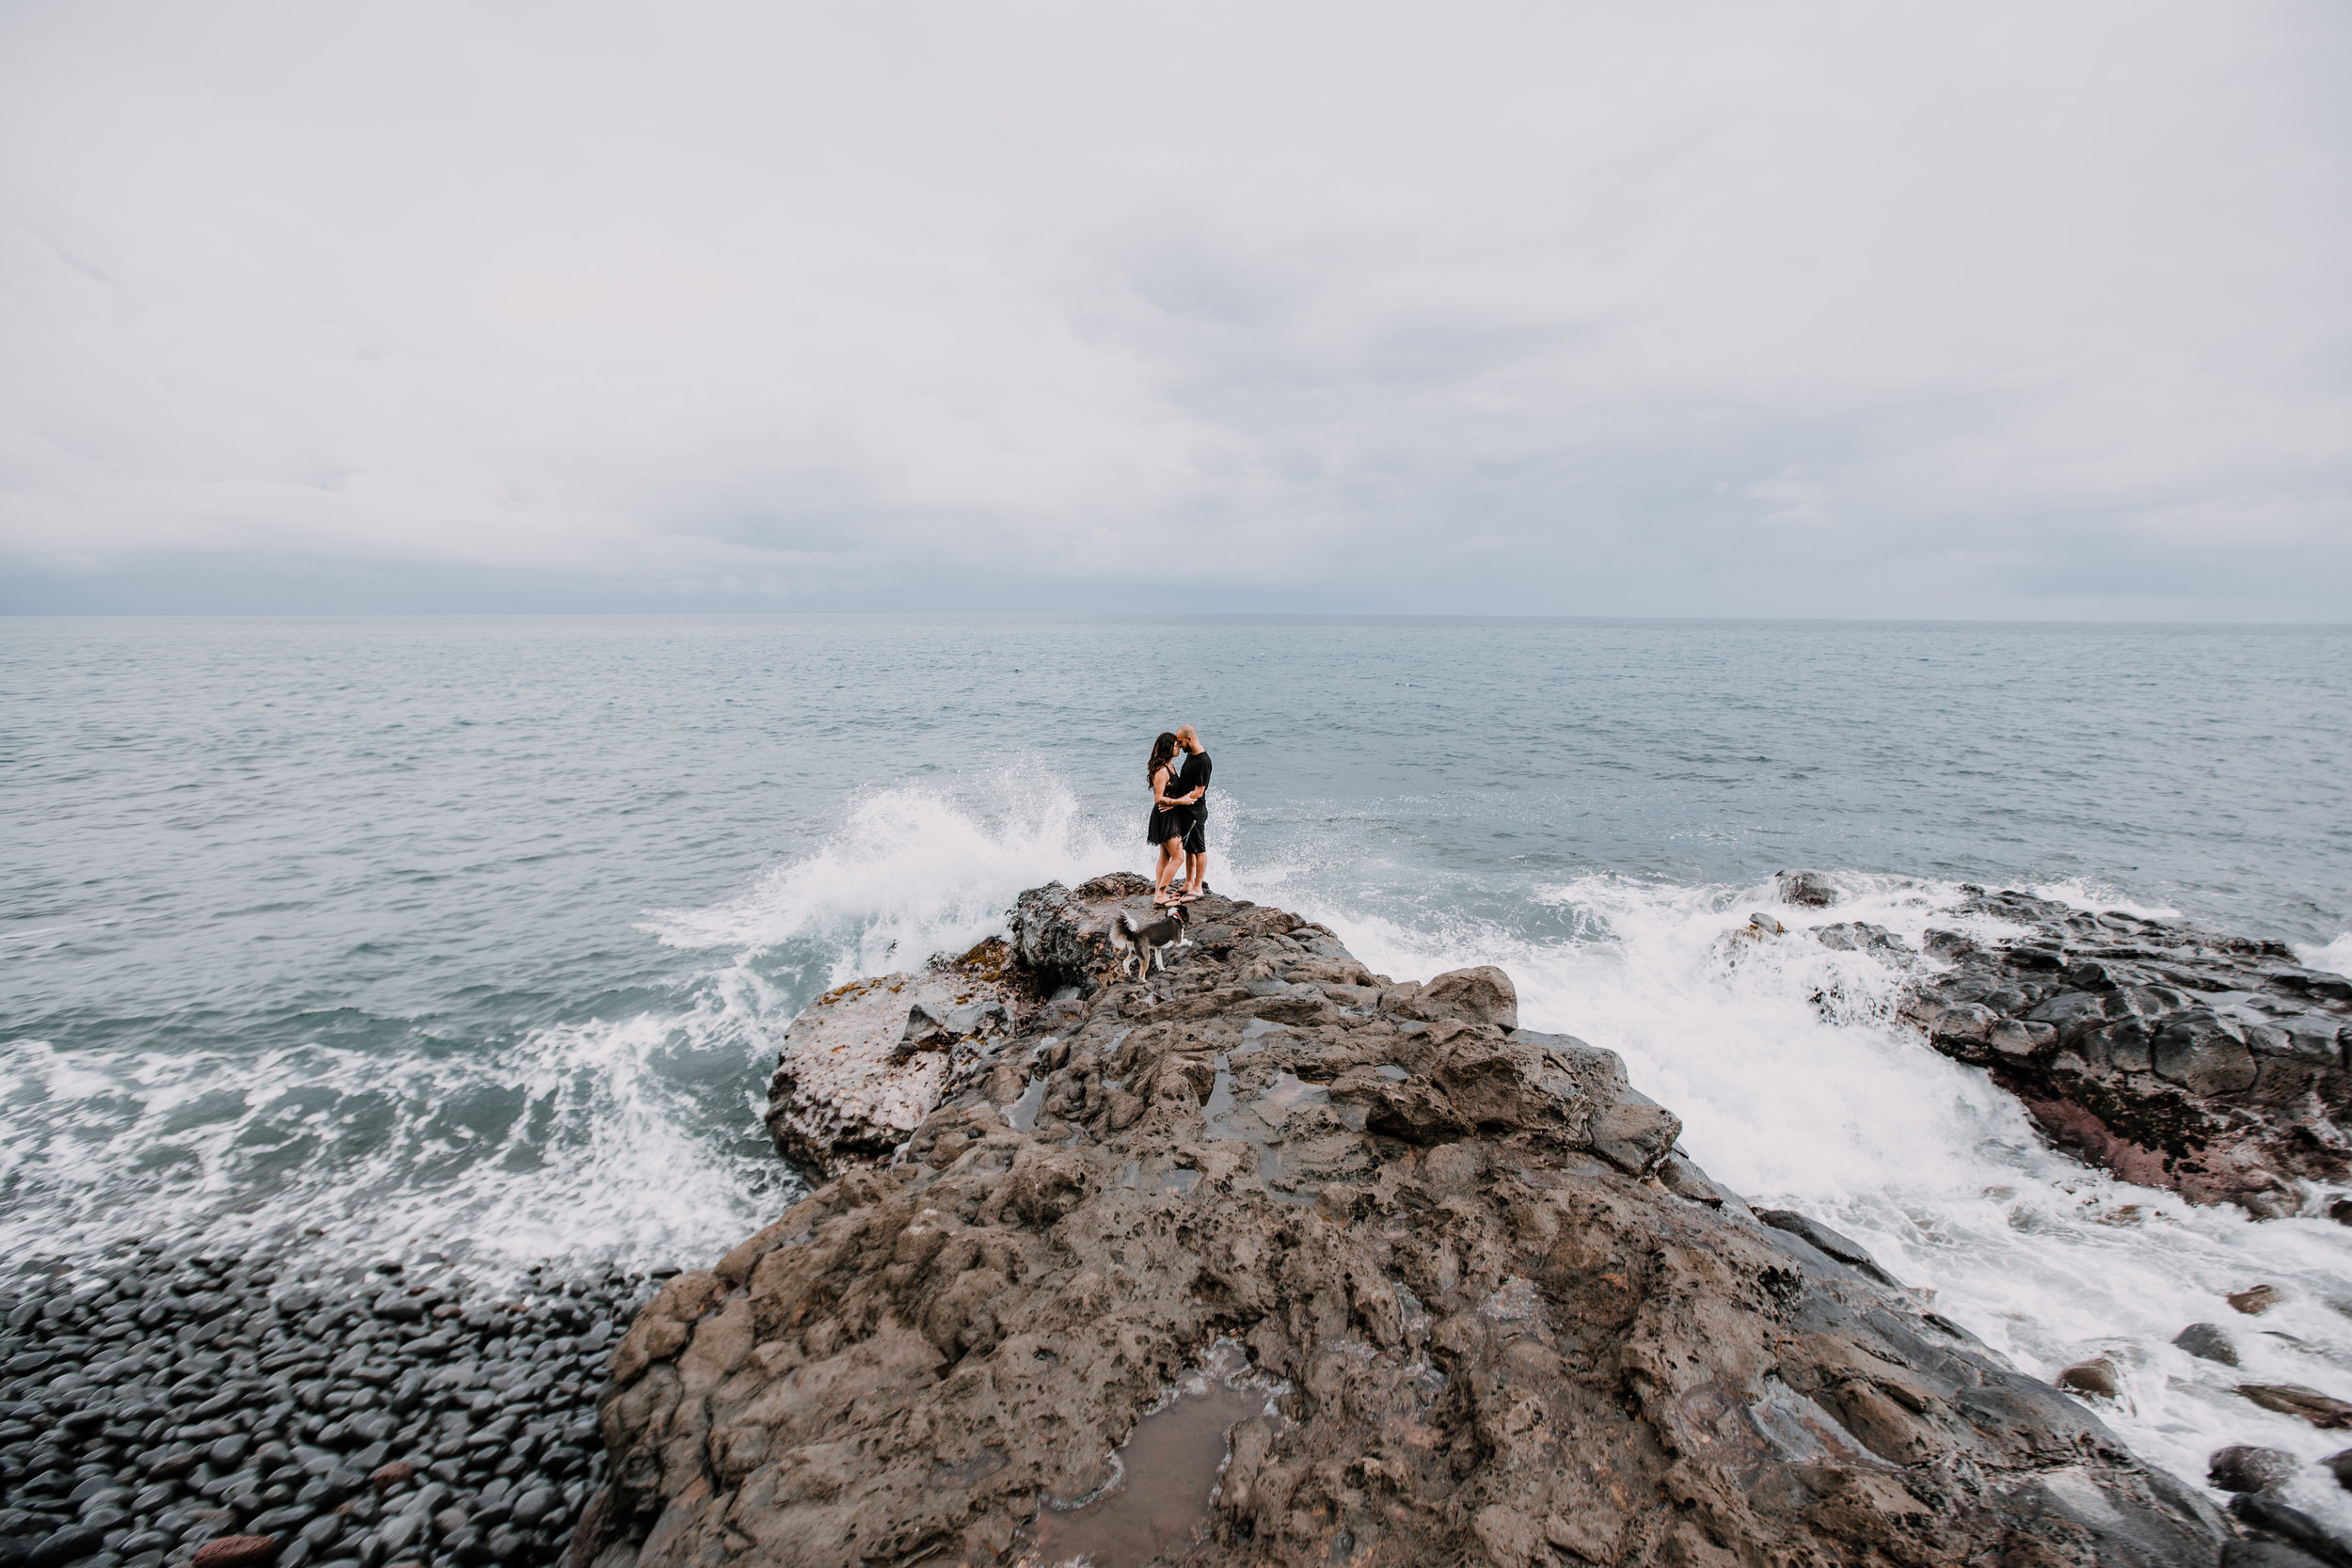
(1162, 752)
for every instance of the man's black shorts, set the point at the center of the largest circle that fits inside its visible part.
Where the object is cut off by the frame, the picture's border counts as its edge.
(1196, 838)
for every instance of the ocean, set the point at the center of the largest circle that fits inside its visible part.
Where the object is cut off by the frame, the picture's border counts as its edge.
(473, 937)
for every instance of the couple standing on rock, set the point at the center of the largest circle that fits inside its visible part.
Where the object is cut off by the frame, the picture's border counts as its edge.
(1180, 815)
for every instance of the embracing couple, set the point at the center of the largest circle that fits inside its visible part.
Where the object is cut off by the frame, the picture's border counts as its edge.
(1180, 816)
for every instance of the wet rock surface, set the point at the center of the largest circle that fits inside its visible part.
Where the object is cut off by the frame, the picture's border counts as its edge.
(1488, 1314)
(162, 1407)
(2217, 1067)
(863, 1064)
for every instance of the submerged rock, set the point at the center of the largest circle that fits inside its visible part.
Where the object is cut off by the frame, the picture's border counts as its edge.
(1807, 889)
(2324, 1411)
(2207, 1342)
(1464, 1302)
(2216, 1066)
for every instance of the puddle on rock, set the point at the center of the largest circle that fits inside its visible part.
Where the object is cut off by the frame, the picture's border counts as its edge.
(1221, 1101)
(1259, 1123)
(1168, 1471)
(1287, 1094)
(1179, 1180)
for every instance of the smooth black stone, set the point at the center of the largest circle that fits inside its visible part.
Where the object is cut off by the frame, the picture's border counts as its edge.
(2294, 1524)
(273, 1520)
(70, 1545)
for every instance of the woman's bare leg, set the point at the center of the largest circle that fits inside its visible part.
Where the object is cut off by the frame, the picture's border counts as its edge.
(1171, 855)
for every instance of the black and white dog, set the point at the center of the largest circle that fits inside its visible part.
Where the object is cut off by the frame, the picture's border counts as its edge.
(1147, 941)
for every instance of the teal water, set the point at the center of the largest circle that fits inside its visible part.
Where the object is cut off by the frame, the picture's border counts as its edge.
(477, 933)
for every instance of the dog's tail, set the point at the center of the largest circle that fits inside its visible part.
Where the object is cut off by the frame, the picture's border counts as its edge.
(1127, 925)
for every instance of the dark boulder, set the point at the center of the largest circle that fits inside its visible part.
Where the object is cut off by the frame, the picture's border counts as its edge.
(2294, 1526)
(2207, 1342)
(2170, 1056)
(2241, 1467)
(1809, 890)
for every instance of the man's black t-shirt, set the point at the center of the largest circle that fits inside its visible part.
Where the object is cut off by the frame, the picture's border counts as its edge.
(1195, 776)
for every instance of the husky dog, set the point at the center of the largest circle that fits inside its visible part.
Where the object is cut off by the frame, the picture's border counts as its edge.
(1149, 940)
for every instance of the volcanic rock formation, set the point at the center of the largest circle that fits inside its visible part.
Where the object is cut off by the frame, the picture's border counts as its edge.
(2213, 1066)
(1271, 1260)
(863, 1064)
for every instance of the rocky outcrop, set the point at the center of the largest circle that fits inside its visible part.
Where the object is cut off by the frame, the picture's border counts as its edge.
(863, 1064)
(2213, 1066)
(1272, 1260)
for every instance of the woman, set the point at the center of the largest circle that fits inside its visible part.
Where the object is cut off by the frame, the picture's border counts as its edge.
(1168, 822)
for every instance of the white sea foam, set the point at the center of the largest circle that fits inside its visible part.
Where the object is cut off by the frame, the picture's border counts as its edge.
(1799, 1089)
(2099, 898)
(575, 1142)
(2334, 957)
(914, 871)
(631, 1137)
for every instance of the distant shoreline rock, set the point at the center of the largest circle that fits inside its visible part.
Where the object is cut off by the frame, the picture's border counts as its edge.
(2216, 1066)
(1380, 1275)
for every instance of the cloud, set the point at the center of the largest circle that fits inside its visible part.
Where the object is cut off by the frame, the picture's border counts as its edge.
(1816, 310)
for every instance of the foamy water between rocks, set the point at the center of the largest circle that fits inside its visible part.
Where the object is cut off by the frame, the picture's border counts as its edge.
(615, 1119)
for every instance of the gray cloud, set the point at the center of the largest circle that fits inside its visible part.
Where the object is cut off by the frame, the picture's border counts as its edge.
(1707, 310)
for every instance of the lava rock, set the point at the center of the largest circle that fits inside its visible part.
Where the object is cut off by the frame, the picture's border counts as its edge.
(2294, 1526)
(1807, 889)
(2091, 1377)
(1488, 1340)
(2259, 1553)
(2244, 1468)
(2254, 1303)
(2324, 1411)
(1823, 1239)
(845, 1092)
(2170, 1057)
(2207, 1342)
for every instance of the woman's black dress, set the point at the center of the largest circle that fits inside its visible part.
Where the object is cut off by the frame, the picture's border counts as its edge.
(1167, 824)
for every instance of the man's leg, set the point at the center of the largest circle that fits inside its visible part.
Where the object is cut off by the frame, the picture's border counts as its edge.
(1196, 859)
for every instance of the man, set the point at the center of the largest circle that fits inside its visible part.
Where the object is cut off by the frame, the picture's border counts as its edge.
(1194, 779)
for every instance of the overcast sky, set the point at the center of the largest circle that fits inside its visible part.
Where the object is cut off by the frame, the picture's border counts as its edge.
(1981, 309)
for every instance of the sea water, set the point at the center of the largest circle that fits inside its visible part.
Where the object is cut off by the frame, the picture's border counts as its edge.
(476, 936)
